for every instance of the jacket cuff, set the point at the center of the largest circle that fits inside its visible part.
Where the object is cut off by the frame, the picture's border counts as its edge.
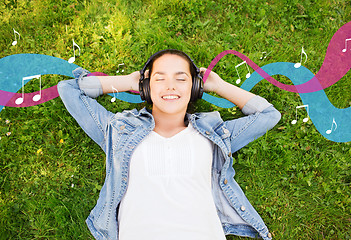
(79, 72)
(255, 104)
(91, 85)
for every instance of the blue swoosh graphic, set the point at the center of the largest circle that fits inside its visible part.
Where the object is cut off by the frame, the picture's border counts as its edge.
(321, 112)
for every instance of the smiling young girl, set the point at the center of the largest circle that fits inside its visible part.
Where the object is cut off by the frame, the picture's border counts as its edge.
(169, 174)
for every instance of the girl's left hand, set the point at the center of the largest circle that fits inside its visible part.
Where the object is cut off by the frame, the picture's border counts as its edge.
(212, 82)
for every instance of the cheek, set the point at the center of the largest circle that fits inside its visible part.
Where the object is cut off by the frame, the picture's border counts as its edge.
(187, 89)
(155, 91)
(152, 93)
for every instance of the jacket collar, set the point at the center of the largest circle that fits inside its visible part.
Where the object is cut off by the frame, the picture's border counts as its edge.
(207, 121)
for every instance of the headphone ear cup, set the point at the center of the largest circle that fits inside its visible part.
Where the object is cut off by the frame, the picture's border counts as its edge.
(146, 90)
(194, 90)
(141, 89)
(201, 84)
(197, 89)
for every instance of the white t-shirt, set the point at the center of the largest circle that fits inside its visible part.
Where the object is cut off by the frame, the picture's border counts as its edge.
(169, 191)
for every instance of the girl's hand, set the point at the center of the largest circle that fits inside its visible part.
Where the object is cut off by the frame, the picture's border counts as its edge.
(134, 78)
(236, 95)
(212, 82)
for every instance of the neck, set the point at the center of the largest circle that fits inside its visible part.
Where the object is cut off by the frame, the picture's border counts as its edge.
(168, 125)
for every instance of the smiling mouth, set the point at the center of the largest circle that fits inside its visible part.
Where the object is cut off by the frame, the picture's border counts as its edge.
(170, 97)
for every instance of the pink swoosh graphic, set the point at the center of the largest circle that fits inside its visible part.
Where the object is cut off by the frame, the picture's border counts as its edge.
(335, 65)
(9, 98)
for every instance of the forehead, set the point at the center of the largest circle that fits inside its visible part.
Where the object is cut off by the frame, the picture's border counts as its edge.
(171, 62)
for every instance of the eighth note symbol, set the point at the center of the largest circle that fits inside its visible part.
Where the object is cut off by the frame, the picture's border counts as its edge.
(264, 55)
(305, 119)
(72, 59)
(329, 131)
(247, 75)
(37, 97)
(114, 96)
(345, 49)
(297, 65)
(120, 68)
(19, 36)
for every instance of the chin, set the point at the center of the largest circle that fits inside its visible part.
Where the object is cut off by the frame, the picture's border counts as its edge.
(172, 110)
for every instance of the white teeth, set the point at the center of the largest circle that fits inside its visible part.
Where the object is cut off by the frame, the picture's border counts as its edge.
(170, 97)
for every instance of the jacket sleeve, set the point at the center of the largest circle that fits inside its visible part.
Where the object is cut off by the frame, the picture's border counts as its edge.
(89, 114)
(261, 117)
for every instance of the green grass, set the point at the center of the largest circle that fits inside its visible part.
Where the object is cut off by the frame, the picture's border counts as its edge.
(51, 172)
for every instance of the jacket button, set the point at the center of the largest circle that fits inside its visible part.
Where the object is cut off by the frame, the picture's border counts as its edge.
(122, 127)
(269, 235)
(229, 154)
(225, 181)
(226, 131)
(207, 133)
(242, 208)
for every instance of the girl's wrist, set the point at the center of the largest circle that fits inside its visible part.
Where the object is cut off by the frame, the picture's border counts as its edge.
(217, 82)
(133, 79)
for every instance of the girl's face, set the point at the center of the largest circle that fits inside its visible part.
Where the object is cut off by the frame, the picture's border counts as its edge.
(170, 84)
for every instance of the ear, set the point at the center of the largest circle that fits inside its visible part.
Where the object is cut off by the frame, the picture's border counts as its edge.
(146, 74)
(202, 71)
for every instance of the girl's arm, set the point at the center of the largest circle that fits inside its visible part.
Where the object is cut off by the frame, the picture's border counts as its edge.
(77, 95)
(261, 115)
(122, 83)
(236, 95)
(94, 86)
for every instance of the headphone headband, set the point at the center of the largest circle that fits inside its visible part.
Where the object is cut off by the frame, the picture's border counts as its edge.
(146, 65)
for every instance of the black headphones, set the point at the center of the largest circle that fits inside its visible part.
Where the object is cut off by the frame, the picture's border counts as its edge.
(144, 83)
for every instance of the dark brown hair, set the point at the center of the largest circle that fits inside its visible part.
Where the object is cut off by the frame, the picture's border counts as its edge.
(173, 52)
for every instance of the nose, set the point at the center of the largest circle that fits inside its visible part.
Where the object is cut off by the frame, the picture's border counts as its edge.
(170, 84)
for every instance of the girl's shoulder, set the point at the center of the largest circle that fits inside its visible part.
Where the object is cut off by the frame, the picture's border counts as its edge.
(133, 117)
(209, 120)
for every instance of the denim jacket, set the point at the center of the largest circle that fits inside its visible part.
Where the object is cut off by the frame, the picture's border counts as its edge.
(119, 134)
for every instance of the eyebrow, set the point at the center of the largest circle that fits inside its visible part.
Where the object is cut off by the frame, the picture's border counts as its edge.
(177, 73)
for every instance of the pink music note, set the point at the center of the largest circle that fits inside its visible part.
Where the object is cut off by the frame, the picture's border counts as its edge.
(114, 96)
(297, 65)
(72, 59)
(305, 119)
(247, 75)
(37, 97)
(329, 131)
(19, 36)
(345, 49)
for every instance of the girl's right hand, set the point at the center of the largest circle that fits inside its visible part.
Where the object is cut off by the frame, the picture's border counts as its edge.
(134, 80)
